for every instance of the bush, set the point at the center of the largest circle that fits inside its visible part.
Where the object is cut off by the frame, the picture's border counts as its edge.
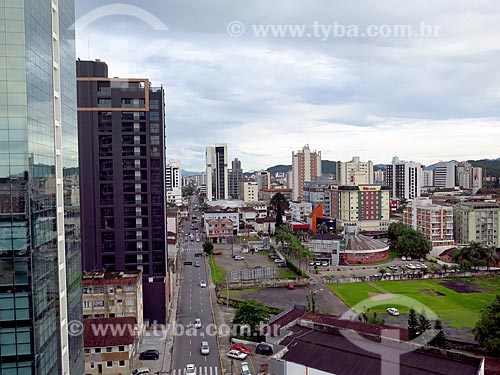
(293, 268)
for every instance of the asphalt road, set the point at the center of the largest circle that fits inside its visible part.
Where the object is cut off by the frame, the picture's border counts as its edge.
(194, 302)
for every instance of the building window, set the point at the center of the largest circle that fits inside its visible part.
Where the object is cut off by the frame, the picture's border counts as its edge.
(109, 364)
(92, 365)
(109, 349)
(97, 350)
(121, 348)
(130, 302)
(121, 363)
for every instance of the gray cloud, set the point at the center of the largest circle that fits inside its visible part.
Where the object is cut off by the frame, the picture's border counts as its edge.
(345, 96)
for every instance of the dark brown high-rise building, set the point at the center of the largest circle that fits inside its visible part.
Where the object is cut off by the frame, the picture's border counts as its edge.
(121, 132)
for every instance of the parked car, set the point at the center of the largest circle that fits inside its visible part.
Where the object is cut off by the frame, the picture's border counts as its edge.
(282, 265)
(403, 258)
(311, 263)
(142, 371)
(196, 263)
(408, 257)
(239, 257)
(218, 252)
(241, 348)
(204, 348)
(203, 284)
(245, 370)
(318, 263)
(197, 323)
(236, 354)
(190, 369)
(325, 264)
(279, 260)
(393, 311)
(264, 349)
(149, 354)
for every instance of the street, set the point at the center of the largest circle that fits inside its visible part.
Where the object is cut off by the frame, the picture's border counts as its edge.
(194, 303)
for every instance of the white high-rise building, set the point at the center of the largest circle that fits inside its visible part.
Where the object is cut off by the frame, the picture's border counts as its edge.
(355, 172)
(427, 178)
(217, 172)
(405, 178)
(173, 180)
(445, 174)
(306, 166)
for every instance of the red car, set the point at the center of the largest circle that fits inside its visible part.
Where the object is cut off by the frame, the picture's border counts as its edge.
(241, 348)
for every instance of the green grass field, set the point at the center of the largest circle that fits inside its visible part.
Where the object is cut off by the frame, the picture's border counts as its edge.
(218, 272)
(459, 310)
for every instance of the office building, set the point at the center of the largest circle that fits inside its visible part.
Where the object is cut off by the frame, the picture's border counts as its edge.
(121, 131)
(427, 178)
(355, 172)
(173, 180)
(235, 180)
(217, 173)
(263, 179)
(361, 208)
(306, 166)
(404, 178)
(40, 268)
(445, 174)
(478, 222)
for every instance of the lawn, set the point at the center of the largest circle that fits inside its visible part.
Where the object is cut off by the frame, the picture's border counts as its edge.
(218, 272)
(459, 310)
(286, 273)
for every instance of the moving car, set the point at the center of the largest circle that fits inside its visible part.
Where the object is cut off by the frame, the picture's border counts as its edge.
(196, 264)
(190, 369)
(393, 311)
(204, 348)
(142, 371)
(239, 257)
(197, 323)
(149, 354)
(203, 284)
(264, 349)
(241, 348)
(236, 354)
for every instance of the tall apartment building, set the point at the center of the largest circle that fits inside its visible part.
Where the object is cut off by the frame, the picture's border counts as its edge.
(434, 221)
(427, 178)
(173, 181)
(379, 177)
(40, 268)
(235, 180)
(355, 172)
(477, 221)
(404, 178)
(217, 173)
(469, 177)
(365, 206)
(263, 179)
(445, 174)
(250, 191)
(306, 166)
(121, 131)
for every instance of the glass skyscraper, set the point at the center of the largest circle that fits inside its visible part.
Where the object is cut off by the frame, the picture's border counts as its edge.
(40, 269)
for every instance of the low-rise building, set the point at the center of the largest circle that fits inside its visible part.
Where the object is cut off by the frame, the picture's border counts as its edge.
(110, 345)
(219, 230)
(113, 294)
(231, 214)
(300, 210)
(267, 194)
(265, 225)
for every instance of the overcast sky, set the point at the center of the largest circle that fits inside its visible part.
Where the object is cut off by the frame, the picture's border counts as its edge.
(427, 98)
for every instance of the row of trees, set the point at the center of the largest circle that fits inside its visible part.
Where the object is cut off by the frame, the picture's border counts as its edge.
(407, 241)
(292, 246)
(418, 324)
(475, 255)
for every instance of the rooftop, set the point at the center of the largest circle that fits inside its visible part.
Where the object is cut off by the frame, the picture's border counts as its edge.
(111, 277)
(97, 332)
(362, 242)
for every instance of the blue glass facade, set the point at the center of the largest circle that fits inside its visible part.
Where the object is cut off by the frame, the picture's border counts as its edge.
(33, 209)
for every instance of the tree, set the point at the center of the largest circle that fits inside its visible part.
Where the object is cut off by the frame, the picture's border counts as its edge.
(412, 324)
(321, 228)
(439, 341)
(279, 204)
(250, 313)
(423, 324)
(204, 206)
(208, 247)
(395, 230)
(188, 191)
(487, 329)
(413, 243)
(382, 271)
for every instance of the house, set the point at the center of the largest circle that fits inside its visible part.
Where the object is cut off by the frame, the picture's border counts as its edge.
(219, 230)
(265, 225)
(110, 345)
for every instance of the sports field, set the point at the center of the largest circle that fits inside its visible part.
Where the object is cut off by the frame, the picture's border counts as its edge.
(459, 304)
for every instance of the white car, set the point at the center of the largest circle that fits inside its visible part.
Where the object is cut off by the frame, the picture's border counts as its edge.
(393, 311)
(236, 354)
(311, 263)
(403, 258)
(325, 264)
(204, 348)
(239, 257)
(279, 260)
(190, 369)
(245, 370)
(141, 371)
(197, 323)
(203, 284)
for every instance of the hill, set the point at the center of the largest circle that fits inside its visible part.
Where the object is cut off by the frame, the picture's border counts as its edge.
(327, 167)
(280, 168)
(491, 166)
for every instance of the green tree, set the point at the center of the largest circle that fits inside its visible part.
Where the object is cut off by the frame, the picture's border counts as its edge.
(412, 324)
(487, 329)
(250, 313)
(204, 207)
(279, 204)
(382, 271)
(321, 228)
(188, 191)
(208, 247)
(423, 324)
(439, 341)
(395, 230)
(413, 243)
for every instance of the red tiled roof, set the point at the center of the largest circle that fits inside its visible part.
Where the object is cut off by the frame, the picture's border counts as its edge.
(102, 332)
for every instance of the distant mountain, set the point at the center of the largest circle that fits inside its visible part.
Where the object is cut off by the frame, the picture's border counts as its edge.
(280, 168)
(380, 167)
(491, 166)
(190, 173)
(327, 167)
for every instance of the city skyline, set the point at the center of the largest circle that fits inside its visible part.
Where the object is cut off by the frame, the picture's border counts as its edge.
(267, 96)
